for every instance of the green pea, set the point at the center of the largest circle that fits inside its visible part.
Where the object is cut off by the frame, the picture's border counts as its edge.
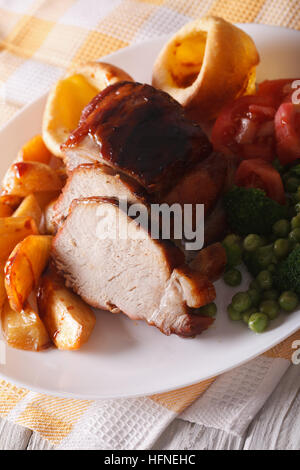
(233, 255)
(297, 207)
(246, 315)
(232, 277)
(254, 284)
(265, 279)
(255, 296)
(295, 222)
(241, 301)
(252, 242)
(233, 314)
(209, 310)
(270, 294)
(288, 301)
(281, 247)
(264, 255)
(281, 228)
(258, 322)
(270, 308)
(294, 235)
(291, 184)
(231, 239)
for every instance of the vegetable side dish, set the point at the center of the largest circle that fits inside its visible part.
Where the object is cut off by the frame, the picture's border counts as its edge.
(263, 206)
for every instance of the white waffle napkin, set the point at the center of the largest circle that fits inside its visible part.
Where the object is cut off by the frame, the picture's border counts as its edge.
(230, 404)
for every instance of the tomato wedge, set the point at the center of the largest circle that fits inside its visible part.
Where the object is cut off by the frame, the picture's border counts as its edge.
(245, 128)
(287, 130)
(278, 90)
(257, 173)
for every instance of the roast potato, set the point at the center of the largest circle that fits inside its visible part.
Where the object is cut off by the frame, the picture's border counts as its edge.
(205, 65)
(24, 268)
(69, 321)
(35, 151)
(24, 178)
(29, 207)
(8, 204)
(5, 209)
(70, 95)
(24, 330)
(12, 231)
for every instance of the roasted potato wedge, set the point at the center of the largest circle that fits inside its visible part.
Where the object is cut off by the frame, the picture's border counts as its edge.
(8, 204)
(12, 231)
(29, 207)
(24, 330)
(35, 151)
(5, 209)
(24, 178)
(24, 268)
(69, 321)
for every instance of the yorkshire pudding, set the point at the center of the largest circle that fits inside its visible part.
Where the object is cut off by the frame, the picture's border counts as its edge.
(206, 64)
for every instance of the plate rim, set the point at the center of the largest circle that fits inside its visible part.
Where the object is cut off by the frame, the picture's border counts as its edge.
(78, 396)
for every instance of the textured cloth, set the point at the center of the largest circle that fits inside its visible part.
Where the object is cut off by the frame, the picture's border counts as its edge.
(39, 40)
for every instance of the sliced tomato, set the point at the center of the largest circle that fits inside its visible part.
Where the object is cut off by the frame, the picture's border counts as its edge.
(257, 173)
(287, 130)
(245, 128)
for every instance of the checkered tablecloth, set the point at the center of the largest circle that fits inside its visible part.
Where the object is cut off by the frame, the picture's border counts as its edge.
(39, 40)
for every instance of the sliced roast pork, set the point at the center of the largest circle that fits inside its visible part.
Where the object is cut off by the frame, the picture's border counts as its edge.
(140, 131)
(114, 264)
(89, 180)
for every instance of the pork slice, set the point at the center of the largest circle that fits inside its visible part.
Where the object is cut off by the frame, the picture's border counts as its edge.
(203, 184)
(85, 152)
(89, 180)
(114, 264)
(140, 131)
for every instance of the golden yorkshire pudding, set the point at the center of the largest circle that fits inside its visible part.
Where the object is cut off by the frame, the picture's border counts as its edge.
(206, 64)
(70, 95)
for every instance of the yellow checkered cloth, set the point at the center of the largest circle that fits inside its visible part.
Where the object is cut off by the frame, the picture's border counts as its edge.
(39, 40)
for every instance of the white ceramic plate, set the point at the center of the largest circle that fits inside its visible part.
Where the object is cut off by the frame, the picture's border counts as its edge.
(125, 358)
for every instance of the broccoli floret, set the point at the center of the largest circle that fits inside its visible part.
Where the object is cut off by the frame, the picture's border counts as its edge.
(287, 275)
(249, 210)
